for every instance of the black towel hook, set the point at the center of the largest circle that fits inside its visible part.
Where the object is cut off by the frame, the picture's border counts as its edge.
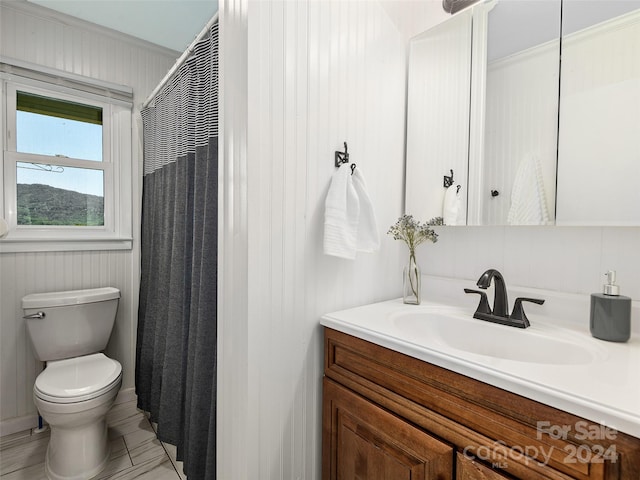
(448, 181)
(342, 157)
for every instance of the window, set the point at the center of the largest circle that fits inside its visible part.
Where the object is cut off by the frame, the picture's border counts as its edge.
(48, 126)
(57, 193)
(66, 168)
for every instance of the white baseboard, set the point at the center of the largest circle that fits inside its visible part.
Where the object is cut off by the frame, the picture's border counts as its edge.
(126, 395)
(18, 424)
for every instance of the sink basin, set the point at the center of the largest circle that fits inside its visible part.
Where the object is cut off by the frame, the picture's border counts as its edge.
(463, 333)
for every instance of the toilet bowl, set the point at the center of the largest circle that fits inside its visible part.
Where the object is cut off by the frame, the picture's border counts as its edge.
(74, 396)
(79, 385)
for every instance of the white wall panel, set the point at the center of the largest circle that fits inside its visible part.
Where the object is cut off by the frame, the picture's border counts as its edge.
(33, 34)
(319, 73)
(233, 422)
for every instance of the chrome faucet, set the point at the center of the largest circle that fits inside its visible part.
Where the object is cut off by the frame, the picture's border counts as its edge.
(500, 311)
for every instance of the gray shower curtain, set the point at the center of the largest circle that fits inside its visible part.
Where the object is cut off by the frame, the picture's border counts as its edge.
(176, 350)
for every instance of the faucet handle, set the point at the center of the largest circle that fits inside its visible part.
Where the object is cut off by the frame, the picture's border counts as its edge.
(483, 306)
(518, 310)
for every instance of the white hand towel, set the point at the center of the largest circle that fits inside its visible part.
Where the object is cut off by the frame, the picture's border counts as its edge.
(342, 209)
(368, 235)
(528, 200)
(451, 205)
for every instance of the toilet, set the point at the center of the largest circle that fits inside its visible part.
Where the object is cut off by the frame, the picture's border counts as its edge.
(69, 330)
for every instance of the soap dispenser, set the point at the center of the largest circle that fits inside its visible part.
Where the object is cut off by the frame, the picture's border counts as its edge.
(610, 312)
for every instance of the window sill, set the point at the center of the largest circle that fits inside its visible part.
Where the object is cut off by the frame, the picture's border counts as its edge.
(17, 245)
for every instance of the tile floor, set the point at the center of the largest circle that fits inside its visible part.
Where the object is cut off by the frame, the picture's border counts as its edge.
(135, 451)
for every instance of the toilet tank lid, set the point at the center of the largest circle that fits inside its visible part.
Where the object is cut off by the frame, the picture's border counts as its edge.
(70, 297)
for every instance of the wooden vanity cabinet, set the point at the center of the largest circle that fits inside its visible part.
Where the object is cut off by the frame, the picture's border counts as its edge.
(389, 416)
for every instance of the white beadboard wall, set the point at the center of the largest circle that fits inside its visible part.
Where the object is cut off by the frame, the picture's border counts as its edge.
(318, 73)
(41, 36)
(233, 427)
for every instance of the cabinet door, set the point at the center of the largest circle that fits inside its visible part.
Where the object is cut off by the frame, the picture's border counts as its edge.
(361, 441)
(469, 469)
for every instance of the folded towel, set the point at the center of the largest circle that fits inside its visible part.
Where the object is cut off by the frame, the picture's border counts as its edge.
(368, 239)
(342, 209)
(528, 200)
(451, 205)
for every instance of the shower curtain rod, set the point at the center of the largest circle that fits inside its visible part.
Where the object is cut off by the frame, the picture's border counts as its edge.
(180, 60)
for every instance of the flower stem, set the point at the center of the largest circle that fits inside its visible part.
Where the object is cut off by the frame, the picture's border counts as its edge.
(413, 273)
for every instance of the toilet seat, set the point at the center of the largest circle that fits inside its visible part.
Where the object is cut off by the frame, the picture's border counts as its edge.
(77, 379)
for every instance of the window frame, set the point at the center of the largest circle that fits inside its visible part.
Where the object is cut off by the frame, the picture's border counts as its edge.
(116, 233)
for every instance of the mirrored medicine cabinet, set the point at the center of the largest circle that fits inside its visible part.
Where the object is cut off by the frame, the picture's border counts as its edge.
(530, 109)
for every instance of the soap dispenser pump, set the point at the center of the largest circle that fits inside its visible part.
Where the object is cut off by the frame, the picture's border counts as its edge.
(610, 312)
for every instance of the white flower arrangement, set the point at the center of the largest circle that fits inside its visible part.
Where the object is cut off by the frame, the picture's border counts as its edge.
(413, 233)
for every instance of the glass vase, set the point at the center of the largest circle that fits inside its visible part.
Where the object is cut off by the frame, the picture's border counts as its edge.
(411, 281)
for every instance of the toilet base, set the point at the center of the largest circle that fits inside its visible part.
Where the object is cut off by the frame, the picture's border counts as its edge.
(77, 454)
(79, 445)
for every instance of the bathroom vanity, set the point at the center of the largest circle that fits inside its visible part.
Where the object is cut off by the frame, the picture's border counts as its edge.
(400, 402)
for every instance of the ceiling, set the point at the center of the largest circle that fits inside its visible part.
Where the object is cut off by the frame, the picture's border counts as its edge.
(169, 23)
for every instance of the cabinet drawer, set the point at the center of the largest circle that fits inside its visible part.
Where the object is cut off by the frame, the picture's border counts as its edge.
(497, 426)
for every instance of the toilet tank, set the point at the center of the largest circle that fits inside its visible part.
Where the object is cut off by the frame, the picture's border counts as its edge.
(71, 323)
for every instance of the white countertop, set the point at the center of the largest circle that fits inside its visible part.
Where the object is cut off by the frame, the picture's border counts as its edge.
(606, 389)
